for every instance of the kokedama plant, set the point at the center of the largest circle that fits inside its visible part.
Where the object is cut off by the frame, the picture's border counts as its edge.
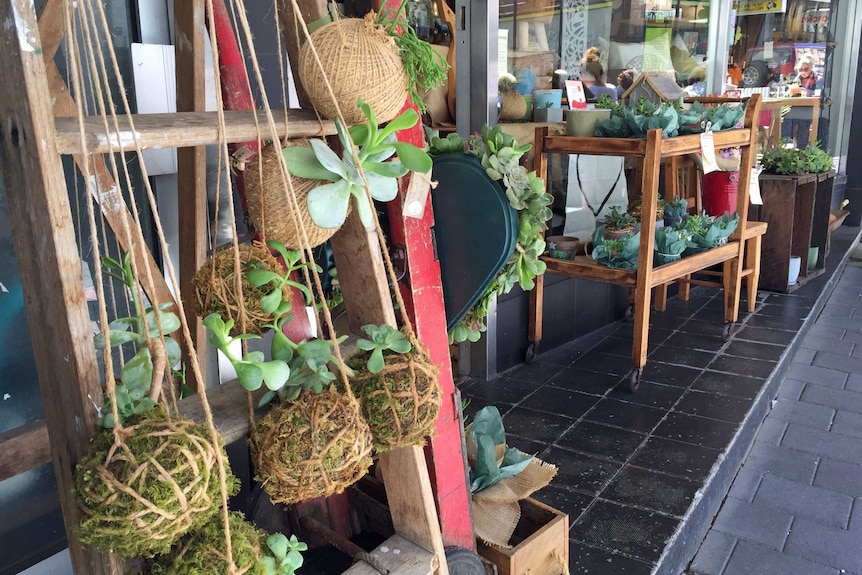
(617, 221)
(141, 376)
(286, 557)
(328, 204)
(397, 386)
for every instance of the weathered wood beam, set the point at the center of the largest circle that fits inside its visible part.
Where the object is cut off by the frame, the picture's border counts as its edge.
(23, 448)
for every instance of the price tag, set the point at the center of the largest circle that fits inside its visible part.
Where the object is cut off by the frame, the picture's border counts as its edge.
(754, 187)
(417, 195)
(707, 150)
(575, 95)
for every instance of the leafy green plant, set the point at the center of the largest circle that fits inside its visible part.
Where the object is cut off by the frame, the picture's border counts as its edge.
(619, 253)
(286, 557)
(676, 208)
(383, 338)
(136, 392)
(695, 224)
(714, 232)
(272, 301)
(670, 241)
(783, 160)
(328, 204)
(500, 155)
(816, 159)
(617, 221)
(487, 433)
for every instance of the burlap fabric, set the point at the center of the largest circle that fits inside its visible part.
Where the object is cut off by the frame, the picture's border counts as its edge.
(360, 60)
(268, 206)
(514, 106)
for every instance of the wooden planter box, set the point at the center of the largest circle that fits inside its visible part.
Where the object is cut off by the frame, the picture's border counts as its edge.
(541, 531)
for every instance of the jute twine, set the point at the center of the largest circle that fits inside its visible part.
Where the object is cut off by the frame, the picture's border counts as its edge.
(140, 495)
(204, 551)
(401, 403)
(216, 288)
(315, 446)
(514, 106)
(270, 211)
(360, 60)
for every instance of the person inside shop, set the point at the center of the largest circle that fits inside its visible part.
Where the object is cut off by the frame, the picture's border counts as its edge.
(592, 76)
(625, 79)
(796, 125)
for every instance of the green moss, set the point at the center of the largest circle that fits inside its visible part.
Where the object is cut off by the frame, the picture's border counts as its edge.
(204, 552)
(128, 495)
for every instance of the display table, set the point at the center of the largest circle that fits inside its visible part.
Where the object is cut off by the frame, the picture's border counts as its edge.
(774, 105)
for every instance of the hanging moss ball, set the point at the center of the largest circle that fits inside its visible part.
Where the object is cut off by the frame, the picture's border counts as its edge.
(139, 496)
(204, 552)
(216, 288)
(401, 402)
(314, 446)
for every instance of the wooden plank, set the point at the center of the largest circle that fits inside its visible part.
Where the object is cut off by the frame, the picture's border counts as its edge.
(587, 268)
(192, 172)
(23, 448)
(184, 129)
(693, 263)
(106, 193)
(400, 557)
(229, 405)
(52, 27)
(51, 272)
(313, 13)
(596, 146)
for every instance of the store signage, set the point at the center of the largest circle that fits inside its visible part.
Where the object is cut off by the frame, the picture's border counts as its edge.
(746, 7)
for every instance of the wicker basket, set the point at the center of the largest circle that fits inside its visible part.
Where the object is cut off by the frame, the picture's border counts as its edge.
(268, 208)
(360, 60)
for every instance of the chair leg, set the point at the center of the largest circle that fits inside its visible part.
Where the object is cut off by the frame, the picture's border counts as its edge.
(752, 262)
(684, 289)
(660, 297)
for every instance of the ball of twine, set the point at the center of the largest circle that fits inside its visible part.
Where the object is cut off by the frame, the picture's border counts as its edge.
(205, 551)
(360, 60)
(514, 106)
(216, 292)
(315, 446)
(401, 403)
(268, 206)
(138, 496)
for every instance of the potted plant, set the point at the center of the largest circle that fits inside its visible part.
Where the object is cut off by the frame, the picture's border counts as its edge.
(619, 253)
(670, 243)
(675, 210)
(708, 232)
(618, 224)
(636, 210)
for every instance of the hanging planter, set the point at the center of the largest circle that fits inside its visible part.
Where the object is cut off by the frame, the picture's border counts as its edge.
(216, 291)
(268, 207)
(360, 60)
(312, 447)
(138, 496)
(397, 386)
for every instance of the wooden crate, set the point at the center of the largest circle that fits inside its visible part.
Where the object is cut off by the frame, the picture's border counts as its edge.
(541, 531)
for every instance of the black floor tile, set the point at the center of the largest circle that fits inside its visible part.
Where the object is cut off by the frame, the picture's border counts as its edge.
(626, 415)
(732, 409)
(766, 335)
(711, 314)
(604, 363)
(677, 375)
(691, 341)
(578, 379)
(502, 390)
(562, 499)
(746, 367)
(615, 346)
(657, 335)
(681, 356)
(677, 458)
(785, 323)
(536, 373)
(791, 309)
(651, 394)
(696, 430)
(700, 327)
(656, 491)
(658, 320)
(579, 471)
(474, 404)
(560, 401)
(602, 440)
(586, 560)
(635, 532)
(562, 355)
(530, 424)
(755, 350)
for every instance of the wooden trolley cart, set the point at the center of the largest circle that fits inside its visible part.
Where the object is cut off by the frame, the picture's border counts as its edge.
(650, 153)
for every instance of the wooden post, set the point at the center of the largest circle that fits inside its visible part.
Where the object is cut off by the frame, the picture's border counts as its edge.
(191, 167)
(312, 12)
(51, 274)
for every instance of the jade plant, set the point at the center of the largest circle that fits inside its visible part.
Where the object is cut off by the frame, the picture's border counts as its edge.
(378, 167)
(261, 277)
(286, 557)
(500, 155)
(141, 376)
(383, 338)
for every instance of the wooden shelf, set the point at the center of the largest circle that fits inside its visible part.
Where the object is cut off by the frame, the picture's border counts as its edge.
(638, 148)
(183, 129)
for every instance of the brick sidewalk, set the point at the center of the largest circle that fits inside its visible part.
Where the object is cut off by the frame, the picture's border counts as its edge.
(795, 507)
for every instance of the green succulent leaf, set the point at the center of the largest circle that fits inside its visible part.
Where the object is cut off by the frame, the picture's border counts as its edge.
(249, 374)
(303, 163)
(407, 119)
(327, 204)
(413, 158)
(394, 169)
(259, 277)
(137, 373)
(383, 189)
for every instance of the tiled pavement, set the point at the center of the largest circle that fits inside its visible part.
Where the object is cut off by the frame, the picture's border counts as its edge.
(643, 475)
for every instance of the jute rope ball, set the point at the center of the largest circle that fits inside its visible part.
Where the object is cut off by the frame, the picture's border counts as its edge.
(314, 446)
(401, 403)
(270, 210)
(514, 106)
(360, 60)
(217, 292)
(138, 496)
(205, 551)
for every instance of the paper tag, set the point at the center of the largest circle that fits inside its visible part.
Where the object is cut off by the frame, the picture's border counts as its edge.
(240, 158)
(575, 95)
(417, 195)
(754, 187)
(707, 150)
(767, 50)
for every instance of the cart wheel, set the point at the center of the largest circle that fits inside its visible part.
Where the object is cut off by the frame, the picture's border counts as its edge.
(635, 379)
(532, 353)
(725, 332)
(463, 561)
(630, 312)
